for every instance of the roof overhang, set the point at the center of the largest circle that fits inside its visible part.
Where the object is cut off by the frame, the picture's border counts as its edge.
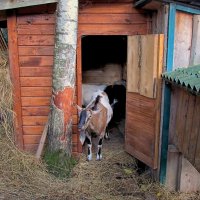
(12, 4)
(155, 4)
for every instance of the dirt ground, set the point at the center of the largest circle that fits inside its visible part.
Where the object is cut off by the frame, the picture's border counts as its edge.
(115, 177)
(111, 178)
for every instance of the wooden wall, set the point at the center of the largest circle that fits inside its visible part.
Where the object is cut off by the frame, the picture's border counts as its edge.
(34, 32)
(35, 48)
(34, 44)
(184, 130)
(187, 40)
(118, 18)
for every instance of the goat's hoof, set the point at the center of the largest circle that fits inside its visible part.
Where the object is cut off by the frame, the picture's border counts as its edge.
(89, 157)
(99, 157)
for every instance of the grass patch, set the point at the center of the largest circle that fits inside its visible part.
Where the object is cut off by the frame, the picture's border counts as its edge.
(59, 164)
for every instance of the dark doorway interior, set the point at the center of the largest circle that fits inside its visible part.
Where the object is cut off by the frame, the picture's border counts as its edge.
(104, 63)
(100, 50)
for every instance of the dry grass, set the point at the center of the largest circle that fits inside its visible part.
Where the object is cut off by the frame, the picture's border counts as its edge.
(116, 178)
(21, 176)
(113, 178)
(6, 100)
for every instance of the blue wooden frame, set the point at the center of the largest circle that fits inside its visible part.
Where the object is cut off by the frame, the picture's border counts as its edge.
(167, 92)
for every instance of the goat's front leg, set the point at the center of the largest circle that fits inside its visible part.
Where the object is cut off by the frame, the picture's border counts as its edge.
(99, 153)
(89, 144)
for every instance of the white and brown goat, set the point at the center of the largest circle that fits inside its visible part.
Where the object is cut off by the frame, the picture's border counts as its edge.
(95, 118)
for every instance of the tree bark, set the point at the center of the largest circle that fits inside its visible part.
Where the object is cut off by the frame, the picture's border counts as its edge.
(64, 71)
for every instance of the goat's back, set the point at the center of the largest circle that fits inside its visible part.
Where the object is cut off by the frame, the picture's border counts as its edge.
(98, 121)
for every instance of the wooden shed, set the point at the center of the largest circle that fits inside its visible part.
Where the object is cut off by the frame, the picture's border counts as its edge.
(31, 49)
(184, 128)
(139, 30)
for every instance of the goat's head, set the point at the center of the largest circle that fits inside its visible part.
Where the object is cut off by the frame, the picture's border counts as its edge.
(85, 115)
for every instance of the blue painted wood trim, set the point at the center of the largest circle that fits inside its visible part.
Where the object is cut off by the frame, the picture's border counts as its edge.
(188, 9)
(171, 37)
(165, 133)
(167, 92)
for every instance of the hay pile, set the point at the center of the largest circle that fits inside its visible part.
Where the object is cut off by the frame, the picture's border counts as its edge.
(21, 177)
(6, 101)
(114, 178)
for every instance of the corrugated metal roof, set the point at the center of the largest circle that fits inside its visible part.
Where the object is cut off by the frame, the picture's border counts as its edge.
(185, 77)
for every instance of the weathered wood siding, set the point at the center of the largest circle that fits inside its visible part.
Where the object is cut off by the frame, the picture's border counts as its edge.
(184, 129)
(118, 18)
(187, 34)
(144, 97)
(35, 46)
(35, 29)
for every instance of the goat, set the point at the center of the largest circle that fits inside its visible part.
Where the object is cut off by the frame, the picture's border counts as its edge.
(95, 118)
(88, 90)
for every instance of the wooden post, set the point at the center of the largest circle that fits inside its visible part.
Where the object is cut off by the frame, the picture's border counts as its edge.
(64, 74)
(14, 70)
(79, 82)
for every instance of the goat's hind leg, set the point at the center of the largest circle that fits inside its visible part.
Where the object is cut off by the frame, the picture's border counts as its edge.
(99, 153)
(107, 134)
(89, 146)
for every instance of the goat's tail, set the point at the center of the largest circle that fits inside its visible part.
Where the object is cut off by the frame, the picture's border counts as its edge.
(96, 102)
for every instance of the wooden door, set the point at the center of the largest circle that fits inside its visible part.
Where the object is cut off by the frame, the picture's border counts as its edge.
(144, 67)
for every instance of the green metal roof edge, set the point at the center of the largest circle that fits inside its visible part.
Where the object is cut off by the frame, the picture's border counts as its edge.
(185, 77)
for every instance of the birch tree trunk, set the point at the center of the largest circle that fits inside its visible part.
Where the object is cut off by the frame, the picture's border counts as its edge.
(63, 76)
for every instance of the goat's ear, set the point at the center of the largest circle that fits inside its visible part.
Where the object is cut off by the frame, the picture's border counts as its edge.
(79, 108)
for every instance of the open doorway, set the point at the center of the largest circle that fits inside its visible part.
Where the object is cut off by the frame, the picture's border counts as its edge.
(104, 67)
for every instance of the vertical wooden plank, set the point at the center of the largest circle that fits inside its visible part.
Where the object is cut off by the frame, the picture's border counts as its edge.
(79, 81)
(133, 64)
(183, 119)
(194, 133)
(183, 38)
(14, 69)
(158, 95)
(195, 48)
(179, 120)
(149, 59)
(197, 152)
(188, 125)
(173, 115)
